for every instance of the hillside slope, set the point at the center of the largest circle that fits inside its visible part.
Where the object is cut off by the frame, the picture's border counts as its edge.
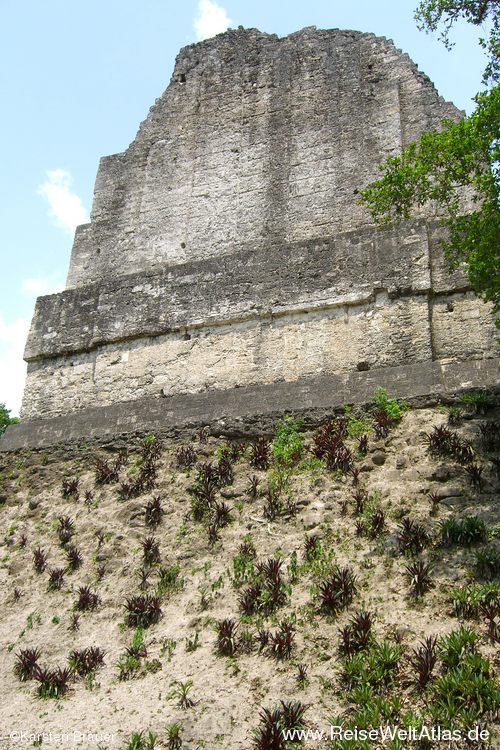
(295, 555)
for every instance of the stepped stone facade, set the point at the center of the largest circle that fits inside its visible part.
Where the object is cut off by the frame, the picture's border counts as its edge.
(228, 254)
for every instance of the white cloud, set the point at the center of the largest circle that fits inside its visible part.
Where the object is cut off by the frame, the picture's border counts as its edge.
(12, 367)
(65, 207)
(36, 287)
(211, 19)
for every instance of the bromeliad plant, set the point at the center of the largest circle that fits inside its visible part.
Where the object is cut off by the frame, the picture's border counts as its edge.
(337, 591)
(74, 557)
(39, 560)
(423, 660)
(275, 724)
(87, 599)
(154, 512)
(329, 445)
(150, 551)
(312, 548)
(281, 642)
(108, 471)
(69, 488)
(52, 683)
(419, 575)
(66, 529)
(227, 642)
(260, 453)
(412, 537)
(464, 531)
(56, 578)
(142, 610)
(86, 661)
(26, 664)
(357, 634)
(268, 591)
(185, 456)
(445, 442)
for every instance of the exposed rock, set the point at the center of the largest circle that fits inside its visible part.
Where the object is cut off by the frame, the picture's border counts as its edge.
(448, 490)
(440, 473)
(231, 492)
(379, 458)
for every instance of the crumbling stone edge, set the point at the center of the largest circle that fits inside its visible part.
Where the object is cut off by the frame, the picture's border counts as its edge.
(252, 410)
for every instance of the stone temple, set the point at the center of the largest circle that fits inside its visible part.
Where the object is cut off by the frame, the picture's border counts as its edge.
(229, 270)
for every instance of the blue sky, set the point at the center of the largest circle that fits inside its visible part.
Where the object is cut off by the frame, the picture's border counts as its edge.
(78, 76)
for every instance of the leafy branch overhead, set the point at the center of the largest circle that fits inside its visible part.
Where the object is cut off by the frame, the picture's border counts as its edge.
(456, 169)
(431, 13)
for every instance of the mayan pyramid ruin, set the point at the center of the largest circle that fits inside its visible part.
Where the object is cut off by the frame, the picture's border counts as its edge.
(229, 270)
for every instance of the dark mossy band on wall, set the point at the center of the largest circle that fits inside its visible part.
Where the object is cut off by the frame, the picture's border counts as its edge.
(252, 409)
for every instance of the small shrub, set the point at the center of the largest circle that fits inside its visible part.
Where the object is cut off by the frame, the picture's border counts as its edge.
(174, 741)
(312, 548)
(388, 406)
(475, 473)
(74, 622)
(302, 678)
(288, 444)
(464, 694)
(357, 634)
(444, 442)
(376, 523)
(490, 435)
(107, 472)
(270, 735)
(281, 642)
(454, 647)
(479, 401)
(376, 667)
(181, 692)
(467, 601)
(253, 487)
(141, 741)
(169, 579)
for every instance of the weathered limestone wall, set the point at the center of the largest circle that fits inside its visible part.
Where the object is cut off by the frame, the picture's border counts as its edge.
(228, 250)
(258, 140)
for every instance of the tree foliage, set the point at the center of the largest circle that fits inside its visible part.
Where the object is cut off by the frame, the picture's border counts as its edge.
(460, 160)
(431, 13)
(6, 419)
